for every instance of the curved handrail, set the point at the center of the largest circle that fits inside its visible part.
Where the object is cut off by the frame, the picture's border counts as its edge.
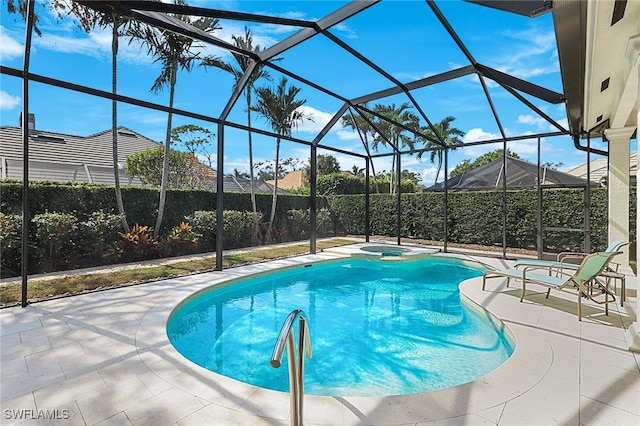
(278, 349)
(296, 366)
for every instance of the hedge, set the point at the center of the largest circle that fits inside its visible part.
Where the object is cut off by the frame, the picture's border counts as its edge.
(140, 203)
(476, 217)
(337, 183)
(80, 221)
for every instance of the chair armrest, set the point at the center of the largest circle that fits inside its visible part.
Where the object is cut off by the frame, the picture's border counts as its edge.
(613, 266)
(572, 259)
(572, 254)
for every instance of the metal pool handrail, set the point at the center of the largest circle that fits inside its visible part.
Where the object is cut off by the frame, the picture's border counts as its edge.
(296, 366)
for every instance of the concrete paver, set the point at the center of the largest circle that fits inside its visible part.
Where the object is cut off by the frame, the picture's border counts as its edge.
(104, 358)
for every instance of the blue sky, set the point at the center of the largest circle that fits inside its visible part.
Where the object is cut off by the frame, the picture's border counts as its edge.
(403, 37)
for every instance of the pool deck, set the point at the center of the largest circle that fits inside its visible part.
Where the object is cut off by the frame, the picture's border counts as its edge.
(103, 358)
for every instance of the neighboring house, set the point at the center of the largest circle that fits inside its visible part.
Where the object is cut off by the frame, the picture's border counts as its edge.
(292, 180)
(520, 174)
(244, 185)
(296, 180)
(69, 158)
(89, 159)
(600, 169)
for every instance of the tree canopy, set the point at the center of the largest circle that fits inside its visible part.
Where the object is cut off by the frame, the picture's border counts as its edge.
(196, 140)
(185, 172)
(467, 165)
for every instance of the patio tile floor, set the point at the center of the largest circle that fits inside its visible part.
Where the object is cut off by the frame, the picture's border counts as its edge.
(104, 359)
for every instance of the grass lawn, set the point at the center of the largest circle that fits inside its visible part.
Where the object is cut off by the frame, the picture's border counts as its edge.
(48, 288)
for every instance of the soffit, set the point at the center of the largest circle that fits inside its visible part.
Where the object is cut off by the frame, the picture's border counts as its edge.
(606, 61)
(599, 81)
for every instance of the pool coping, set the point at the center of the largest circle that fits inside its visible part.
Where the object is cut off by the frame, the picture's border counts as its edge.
(493, 389)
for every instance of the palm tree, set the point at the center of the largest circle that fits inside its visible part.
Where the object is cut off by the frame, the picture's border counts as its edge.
(174, 52)
(361, 124)
(449, 135)
(89, 19)
(357, 171)
(238, 70)
(281, 109)
(393, 132)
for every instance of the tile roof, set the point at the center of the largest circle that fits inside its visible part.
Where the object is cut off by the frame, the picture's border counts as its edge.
(64, 157)
(70, 158)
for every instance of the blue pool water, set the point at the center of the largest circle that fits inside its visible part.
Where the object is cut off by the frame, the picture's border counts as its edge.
(377, 328)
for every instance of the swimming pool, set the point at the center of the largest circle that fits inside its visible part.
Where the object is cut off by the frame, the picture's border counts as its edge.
(377, 328)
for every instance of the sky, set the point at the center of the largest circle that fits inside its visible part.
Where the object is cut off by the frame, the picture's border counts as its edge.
(402, 37)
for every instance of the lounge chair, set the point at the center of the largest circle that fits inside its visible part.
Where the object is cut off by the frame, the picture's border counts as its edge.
(584, 280)
(566, 263)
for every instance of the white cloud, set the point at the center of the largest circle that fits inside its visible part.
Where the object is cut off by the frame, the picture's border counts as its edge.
(533, 120)
(477, 134)
(525, 148)
(564, 122)
(347, 135)
(346, 31)
(9, 48)
(428, 175)
(8, 101)
(94, 44)
(533, 56)
(261, 38)
(320, 119)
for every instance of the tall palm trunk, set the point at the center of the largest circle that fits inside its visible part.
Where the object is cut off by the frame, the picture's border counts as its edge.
(255, 233)
(114, 122)
(251, 187)
(392, 177)
(375, 179)
(167, 146)
(275, 192)
(439, 166)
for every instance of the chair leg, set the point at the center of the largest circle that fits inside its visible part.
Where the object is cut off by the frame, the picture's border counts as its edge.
(548, 293)
(580, 304)
(623, 290)
(484, 281)
(523, 290)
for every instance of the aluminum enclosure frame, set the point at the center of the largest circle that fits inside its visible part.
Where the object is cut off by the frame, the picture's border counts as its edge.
(158, 14)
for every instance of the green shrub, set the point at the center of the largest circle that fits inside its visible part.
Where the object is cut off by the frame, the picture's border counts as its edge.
(423, 215)
(348, 213)
(10, 244)
(337, 183)
(240, 229)
(298, 221)
(96, 234)
(204, 224)
(235, 229)
(254, 221)
(324, 222)
(54, 234)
